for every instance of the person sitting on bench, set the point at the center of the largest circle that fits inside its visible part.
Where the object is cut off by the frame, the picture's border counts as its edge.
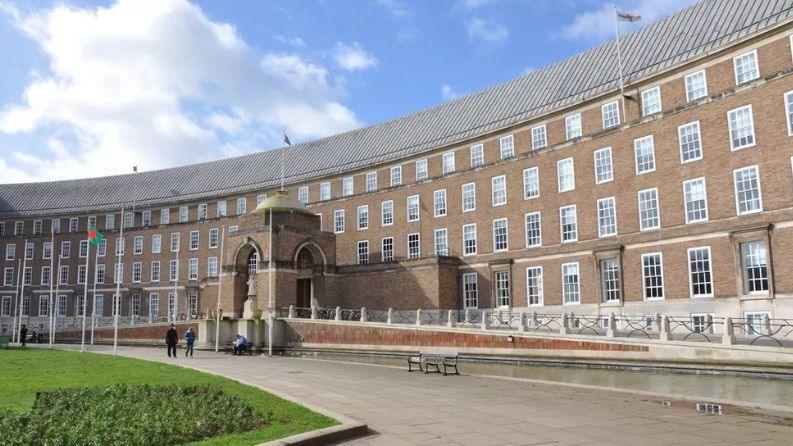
(239, 345)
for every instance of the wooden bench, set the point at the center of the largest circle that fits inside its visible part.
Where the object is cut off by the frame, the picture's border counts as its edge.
(247, 349)
(434, 359)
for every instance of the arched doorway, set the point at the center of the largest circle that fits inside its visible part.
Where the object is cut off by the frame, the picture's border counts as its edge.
(309, 265)
(246, 267)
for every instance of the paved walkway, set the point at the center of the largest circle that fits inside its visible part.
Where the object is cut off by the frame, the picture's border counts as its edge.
(412, 408)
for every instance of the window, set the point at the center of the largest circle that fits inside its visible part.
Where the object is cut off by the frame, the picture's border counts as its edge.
(2, 228)
(175, 241)
(11, 252)
(203, 211)
(63, 275)
(696, 199)
(183, 214)
(27, 275)
(396, 176)
(302, 194)
(414, 246)
(502, 289)
(212, 267)
(604, 170)
(82, 250)
(338, 221)
(651, 101)
(156, 243)
(154, 304)
(653, 276)
(55, 225)
(213, 237)
(137, 271)
(137, 245)
(690, 142)
(571, 293)
(61, 310)
(644, 151)
(610, 279)
(194, 240)
(788, 114)
(242, 205)
(46, 273)
(531, 183)
(101, 248)
(36, 227)
(500, 235)
(696, 86)
(568, 223)
(26, 306)
(5, 308)
(611, 114)
(260, 199)
(439, 202)
(607, 217)
(413, 208)
(8, 277)
(46, 253)
(533, 230)
(324, 191)
(538, 138)
(499, 190)
(565, 174)
(448, 162)
(118, 273)
(741, 125)
(477, 156)
(74, 223)
(649, 216)
(470, 290)
(174, 271)
(746, 67)
(192, 303)
(469, 197)
(155, 271)
(233, 229)
(371, 181)
(507, 146)
(387, 249)
(44, 306)
(145, 219)
(136, 304)
(534, 291)
(469, 239)
(699, 272)
(748, 197)
(347, 186)
(222, 209)
(754, 267)
(165, 217)
(363, 217)
(192, 269)
(421, 170)
(441, 242)
(99, 274)
(387, 213)
(572, 126)
(171, 304)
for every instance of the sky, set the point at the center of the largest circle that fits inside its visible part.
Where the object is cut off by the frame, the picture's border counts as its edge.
(94, 88)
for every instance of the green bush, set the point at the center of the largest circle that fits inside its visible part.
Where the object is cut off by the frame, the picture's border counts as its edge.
(139, 415)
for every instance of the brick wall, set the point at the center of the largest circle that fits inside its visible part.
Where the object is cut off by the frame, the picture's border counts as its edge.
(141, 333)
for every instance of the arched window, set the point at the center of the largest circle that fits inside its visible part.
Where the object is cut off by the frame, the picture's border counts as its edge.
(253, 262)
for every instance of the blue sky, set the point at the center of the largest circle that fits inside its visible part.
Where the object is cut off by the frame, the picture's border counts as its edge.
(93, 88)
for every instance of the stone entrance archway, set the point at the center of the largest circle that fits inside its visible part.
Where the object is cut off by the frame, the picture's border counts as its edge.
(246, 265)
(309, 265)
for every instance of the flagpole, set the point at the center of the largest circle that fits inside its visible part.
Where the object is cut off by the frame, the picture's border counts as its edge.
(619, 62)
(85, 288)
(52, 267)
(57, 290)
(93, 298)
(220, 287)
(175, 284)
(117, 296)
(17, 324)
(270, 269)
(22, 284)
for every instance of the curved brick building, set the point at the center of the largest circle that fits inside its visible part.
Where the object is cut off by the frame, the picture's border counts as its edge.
(549, 190)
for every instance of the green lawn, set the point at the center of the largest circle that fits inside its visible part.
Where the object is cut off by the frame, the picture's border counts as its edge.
(25, 372)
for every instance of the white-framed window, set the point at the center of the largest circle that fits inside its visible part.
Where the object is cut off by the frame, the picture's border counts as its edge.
(61, 308)
(568, 223)
(396, 176)
(571, 291)
(604, 169)
(174, 271)
(233, 229)
(175, 241)
(470, 290)
(610, 280)
(137, 245)
(363, 217)
(242, 205)
(66, 248)
(8, 276)
(565, 175)
(500, 235)
(260, 199)
(469, 239)
(506, 145)
(448, 162)
(533, 229)
(192, 269)
(699, 272)
(302, 194)
(387, 249)
(414, 246)
(748, 196)
(5, 308)
(137, 272)
(534, 289)
(413, 208)
(387, 213)
(651, 101)
(338, 221)
(499, 190)
(213, 238)
(746, 68)
(363, 252)
(101, 248)
(539, 137)
(696, 85)
(531, 183)
(371, 181)
(347, 186)
(503, 298)
(46, 275)
(477, 155)
(468, 197)
(194, 240)
(788, 112)
(572, 126)
(118, 273)
(754, 267)
(422, 173)
(203, 211)
(63, 275)
(183, 214)
(695, 197)
(37, 226)
(82, 250)
(11, 250)
(441, 242)
(74, 223)
(611, 114)
(644, 151)
(607, 217)
(741, 123)
(136, 304)
(652, 276)
(324, 191)
(55, 226)
(99, 273)
(155, 271)
(212, 267)
(165, 217)
(649, 214)
(27, 275)
(145, 219)
(439, 202)
(156, 243)
(690, 142)
(46, 252)
(154, 304)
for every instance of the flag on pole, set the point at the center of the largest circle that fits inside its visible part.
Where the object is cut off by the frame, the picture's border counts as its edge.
(286, 140)
(94, 236)
(627, 17)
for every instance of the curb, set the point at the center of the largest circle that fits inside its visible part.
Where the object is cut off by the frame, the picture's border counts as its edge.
(323, 436)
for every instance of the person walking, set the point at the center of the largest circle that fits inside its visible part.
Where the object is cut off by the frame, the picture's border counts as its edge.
(23, 334)
(171, 338)
(189, 338)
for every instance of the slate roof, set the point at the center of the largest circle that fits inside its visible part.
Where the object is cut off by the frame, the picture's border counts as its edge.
(691, 32)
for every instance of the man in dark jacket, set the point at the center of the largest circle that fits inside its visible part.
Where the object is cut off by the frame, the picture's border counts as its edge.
(189, 338)
(23, 334)
(171, 338)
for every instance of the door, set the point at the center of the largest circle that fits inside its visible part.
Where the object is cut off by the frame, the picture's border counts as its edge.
(303, 293)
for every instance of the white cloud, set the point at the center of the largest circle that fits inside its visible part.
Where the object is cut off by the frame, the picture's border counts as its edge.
(598, 24)
(448, 93)
(473, 4)
(157, 83)
(397, 8)
(296, 42)
(486, 31)
(353, 57)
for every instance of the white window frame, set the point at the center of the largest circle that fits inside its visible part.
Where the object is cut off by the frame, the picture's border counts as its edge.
(565, 300)
(422, 171)
(642, 226)
(686, 183)
(387, 255)
(735, 59)
(302, 194)
(324, 191)
(338, 217)
(570, 131)
(526, 222)
(538, 143)
(347, 186)
(470, 290)
(561, 175)
(362, 257)
(759, 190)
(644, 277)
(602, 158)
(539, 295)
(439, 203)
(474, 239)
(690, 272)
(410, 254)
(441, 239)
(505, 223)
(788, 98)
(390, 205)
(645, 94)
(477, 155)
(371, 181)
(506, 145)
(704, 74)
(562, 210)
(616, 110)
(680, 130)
(396, 176)
(496, 193)
(601, 218)
(411, 207)
(473, 193)
(531, 183)
(363, 217)
(730, 128)
(643, 167)
(448, 164)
